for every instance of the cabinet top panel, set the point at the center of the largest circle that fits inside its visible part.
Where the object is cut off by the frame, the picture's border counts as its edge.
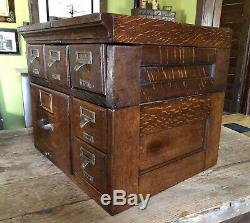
(121, 29)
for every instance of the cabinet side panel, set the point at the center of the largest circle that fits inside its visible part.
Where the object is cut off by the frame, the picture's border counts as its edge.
(214, 128)
(124, 152)
(160, 179)
(123, 76)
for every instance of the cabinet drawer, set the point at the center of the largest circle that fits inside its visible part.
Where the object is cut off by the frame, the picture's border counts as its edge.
(172, 143)
(168, 129)
(89, 123)
(50, 117)
(89, 164)
(56, 65)
(36, 61)
(87, 67)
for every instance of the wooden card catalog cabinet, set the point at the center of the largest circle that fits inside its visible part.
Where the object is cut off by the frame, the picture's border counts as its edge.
(122, 102)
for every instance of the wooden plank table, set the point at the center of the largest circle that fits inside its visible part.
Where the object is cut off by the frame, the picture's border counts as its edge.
(33, 190)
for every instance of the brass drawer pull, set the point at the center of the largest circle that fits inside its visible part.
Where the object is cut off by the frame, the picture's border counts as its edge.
(54, 56)
(85, 83)
(86, 116)
(88, 137)
(89, 158)
(56, 77)
(85, 163)
(45, 125)
(49, 107)
(88, 177)
(82, 59)
(34, 55)
(49, 155)
(36, 72)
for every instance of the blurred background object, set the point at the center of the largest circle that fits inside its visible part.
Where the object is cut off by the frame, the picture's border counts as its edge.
(152, 9)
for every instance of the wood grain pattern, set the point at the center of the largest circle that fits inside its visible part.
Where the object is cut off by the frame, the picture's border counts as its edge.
(169, 175)
(164, 82)
(213, 135)
(176, 88)
(166, 115)
(48, 199)
(172, 143)
(150, 75)
(44, 192)
(126, 29)
(123, 70)
(58, 72)
(173, 55)
(92, 76)
(123, 152)
(94, 133)
(56, 141)
(98, 171)
(133, 29)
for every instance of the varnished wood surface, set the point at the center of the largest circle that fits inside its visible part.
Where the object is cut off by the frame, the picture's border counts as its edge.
(57, 73)
(98, 171)
(145, 95)
(123, 152)
(51, 197)
(126, 29)
(173, 113)
(53, 108)
(94, 133)
(169, 144)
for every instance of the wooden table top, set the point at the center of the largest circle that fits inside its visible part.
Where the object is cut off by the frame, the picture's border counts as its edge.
(33, 190)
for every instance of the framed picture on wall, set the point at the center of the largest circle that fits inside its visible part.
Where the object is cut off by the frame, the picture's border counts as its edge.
(7, 11)
(4, 8)
(59, 9)
(9, 43)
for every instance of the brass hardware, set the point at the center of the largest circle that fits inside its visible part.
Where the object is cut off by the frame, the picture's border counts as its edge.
(36, 72)
(50, 109)
(45, 125)
(56, 77)
(86, 116)
(85, 83)
(54, 56)
(89, 158)
(88, 137)
(88, 177)
(82, 59)
(85, 163)
(49, 155)
(34, 55)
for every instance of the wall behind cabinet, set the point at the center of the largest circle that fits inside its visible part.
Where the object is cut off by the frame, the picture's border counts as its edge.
(11, 106)
(186, 9)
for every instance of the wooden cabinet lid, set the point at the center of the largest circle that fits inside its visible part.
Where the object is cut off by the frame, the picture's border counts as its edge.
(121, 29)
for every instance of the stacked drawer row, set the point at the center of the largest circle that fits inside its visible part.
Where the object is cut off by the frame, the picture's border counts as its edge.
(52, 121)
(79, 66)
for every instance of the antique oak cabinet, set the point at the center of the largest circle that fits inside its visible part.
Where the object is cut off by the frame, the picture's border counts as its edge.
(127, 103)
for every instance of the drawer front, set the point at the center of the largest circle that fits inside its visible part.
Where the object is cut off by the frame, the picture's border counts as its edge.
(50, 117)
(87, 67)
(89, 164)
(89, 123)
(56, 65)
(36, 61)
(171, 144)
(171, 129)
